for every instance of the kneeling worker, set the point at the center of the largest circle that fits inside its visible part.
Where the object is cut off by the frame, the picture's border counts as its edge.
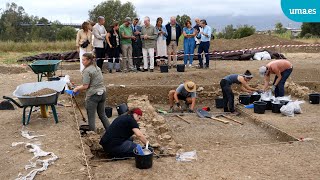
(117, 140)
(282, 69)
(226, 82)
(185, 92)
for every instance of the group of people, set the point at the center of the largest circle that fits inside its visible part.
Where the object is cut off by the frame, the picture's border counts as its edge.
(117, 140)
(138, 44)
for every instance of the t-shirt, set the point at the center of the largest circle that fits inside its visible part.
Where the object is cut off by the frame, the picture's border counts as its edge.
(119, 131)
(92, 75)
(127, 31)
(183, 92)
(232, 78)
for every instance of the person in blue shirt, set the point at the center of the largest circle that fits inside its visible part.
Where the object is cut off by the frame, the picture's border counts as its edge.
(188, 43)
(205, 36)
(226, 82)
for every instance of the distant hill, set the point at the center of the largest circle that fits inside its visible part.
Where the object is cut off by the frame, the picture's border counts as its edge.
(259, 22)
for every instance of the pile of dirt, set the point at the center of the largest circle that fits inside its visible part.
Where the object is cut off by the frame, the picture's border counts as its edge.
(256, 40)
(154, 126)
(13, 69)
(297, 90)
(41, 92)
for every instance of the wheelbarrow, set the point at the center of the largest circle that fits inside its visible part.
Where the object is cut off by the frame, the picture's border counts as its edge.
(43, 101)
(44, 68)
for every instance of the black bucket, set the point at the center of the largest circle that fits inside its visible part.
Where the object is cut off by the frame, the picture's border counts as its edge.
(219, 102)
(164, 68)
(259, 107)
(122, 108)
(255, 97)
(314, 98)
(276, 107)
(108, 111)
(180, 67)
(269, 104)
(244, 99)
(144, 161)
(284, 102)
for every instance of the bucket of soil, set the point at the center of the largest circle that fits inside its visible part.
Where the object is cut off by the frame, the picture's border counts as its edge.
(180, 67)
(276, 106)
(269, 104)
(255, 97)
(314, 98)
(244, 99)
(108, 111)
(122, 108)
(144, 161)
(164, 68)
(219, 102)
(259, 107)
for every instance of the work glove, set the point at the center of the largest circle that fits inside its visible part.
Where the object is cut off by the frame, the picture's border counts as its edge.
(191, 111)
(273, 88)
(178, 105)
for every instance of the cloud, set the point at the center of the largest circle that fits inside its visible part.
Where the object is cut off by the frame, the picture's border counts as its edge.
(76, 11)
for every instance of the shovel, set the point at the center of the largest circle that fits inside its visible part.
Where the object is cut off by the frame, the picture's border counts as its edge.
(202, 114)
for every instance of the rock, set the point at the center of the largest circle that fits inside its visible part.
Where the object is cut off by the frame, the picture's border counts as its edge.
(166, 137)
(200, 89)
(156, 145)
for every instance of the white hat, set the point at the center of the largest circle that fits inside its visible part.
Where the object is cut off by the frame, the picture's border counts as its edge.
(262, 71)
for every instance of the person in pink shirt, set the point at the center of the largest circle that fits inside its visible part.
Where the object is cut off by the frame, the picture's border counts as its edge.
(282, 69)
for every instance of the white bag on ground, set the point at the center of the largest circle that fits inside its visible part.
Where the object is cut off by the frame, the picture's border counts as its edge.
(267, 96)
(262, 56)
(291, 108)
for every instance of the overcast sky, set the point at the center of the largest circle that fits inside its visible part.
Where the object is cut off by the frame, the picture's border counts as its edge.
(76, 11)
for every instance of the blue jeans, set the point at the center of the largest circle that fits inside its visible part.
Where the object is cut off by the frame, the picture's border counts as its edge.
(203, 47)
(188, 46)
(123, 150)
(279, 91)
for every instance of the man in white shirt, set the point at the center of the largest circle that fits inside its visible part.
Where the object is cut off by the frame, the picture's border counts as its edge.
(99, 32)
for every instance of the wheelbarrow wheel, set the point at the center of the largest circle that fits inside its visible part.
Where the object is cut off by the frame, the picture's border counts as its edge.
(44, 111)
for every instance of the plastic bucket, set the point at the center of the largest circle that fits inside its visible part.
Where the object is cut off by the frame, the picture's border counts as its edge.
(284, 102)
(144, 161)
(219, 102)
(255, 97)
(244, 99)
(259, 107)
(164, 68)
(180, 67)
(269, 104)
(122, 108)
(276, 107)
(108, 111)
(314, 98)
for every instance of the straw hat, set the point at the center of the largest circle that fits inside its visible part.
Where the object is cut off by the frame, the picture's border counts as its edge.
(190, 86)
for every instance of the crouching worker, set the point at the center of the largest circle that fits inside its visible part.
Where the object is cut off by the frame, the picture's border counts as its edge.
(95, 91)
(226, 82)
(185, 92)
(117, 141)
(282, 69)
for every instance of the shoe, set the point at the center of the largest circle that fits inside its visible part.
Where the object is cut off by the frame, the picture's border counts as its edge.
(171, 110)
(199, 67)
(144, 70)
(118, 70)
(151, 70)
(139, 69)
(190, 65)
(110, 70)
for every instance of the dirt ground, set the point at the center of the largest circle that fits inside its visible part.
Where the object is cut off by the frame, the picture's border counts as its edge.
(224, 151)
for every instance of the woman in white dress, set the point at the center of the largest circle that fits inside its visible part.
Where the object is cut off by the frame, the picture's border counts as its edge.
(84, 41)
(161, 41)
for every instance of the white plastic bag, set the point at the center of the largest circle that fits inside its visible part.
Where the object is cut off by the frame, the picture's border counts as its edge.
(262, 56)
(297, 108)
(291, 108)
(187, 156)
(267, 96)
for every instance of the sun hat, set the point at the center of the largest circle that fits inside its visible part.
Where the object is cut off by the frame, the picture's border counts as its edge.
(190, 86)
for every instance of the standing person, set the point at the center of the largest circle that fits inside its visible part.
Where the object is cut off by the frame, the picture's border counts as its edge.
(188, 43)
(228, 96)
(282, 69)
(118, 141)
(174, 32)
(83, 41)
(137, 44)
(95, 92)
(99, 32)
(205, 36)
(149, 35)
(197, 28)
(161, 40)
(126, 44)
(113, 50)
(186, 92)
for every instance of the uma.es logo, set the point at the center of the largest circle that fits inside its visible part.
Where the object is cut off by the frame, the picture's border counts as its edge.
(301, 10)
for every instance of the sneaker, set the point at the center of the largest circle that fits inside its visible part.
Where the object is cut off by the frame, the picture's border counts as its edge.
(118, 70)
(190, 65)
(151, 70)
(110, 70)
(171, 110)
(144, 70)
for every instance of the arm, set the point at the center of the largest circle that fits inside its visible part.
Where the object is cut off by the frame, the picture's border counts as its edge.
(108, 40)
(77, 41)
(266, 82)
(193, 103)
(96, 34)
(140, 135)
(185, 34)
(175, 96)
(81, 88)
(154, 34)
(278, 73)
(125, 36)
(244, 85)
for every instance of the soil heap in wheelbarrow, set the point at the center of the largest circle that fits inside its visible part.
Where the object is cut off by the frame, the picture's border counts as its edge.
(41, 92)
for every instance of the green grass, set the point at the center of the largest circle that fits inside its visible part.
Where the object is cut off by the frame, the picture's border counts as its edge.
(10, 46)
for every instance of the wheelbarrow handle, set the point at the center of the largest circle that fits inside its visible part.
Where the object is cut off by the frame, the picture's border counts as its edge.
(12, 100)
